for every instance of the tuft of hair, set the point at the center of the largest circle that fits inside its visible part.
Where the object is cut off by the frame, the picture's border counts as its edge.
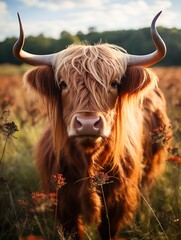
(136, 84)
(98, 60)
(42, 81)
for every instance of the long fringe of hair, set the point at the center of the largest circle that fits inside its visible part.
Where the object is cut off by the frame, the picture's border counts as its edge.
(136, 84)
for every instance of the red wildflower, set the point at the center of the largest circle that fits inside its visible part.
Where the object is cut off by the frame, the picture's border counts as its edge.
(38, 202)
(100, 178)
(57, 180)
(43, 202)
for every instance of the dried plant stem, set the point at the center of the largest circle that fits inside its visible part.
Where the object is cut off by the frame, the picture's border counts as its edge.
(46, 226)
(151, 209)
(56, 210)
(107, 215)
(87, 235)
(3, 152)
(40, 227)
(11, 200)
(20, 231)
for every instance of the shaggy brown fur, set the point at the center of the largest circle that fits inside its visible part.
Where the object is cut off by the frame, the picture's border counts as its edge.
(134, 110)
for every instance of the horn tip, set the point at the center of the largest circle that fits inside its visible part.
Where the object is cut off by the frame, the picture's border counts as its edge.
(155, 19)
(18, 16)
(157, 16)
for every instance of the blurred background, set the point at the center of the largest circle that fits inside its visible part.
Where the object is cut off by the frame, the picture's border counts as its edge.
(52, 25)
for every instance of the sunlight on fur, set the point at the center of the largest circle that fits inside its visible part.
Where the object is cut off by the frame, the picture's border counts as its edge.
(132, 107)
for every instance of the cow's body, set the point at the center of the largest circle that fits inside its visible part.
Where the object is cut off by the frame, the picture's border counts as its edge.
(103, 110)
(79, 161)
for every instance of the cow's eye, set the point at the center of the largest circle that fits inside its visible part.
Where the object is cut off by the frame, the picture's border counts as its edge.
(114, 84)
(63, 85)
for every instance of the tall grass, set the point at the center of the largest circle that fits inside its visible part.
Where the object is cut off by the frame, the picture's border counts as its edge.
(24, 212)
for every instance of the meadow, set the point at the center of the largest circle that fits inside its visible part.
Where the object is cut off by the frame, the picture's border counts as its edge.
(26, 211)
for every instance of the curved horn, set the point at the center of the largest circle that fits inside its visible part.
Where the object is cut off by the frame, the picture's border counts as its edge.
(152, 58)
(28, 57)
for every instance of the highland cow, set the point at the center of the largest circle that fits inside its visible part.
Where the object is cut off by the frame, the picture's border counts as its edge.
(103, 104)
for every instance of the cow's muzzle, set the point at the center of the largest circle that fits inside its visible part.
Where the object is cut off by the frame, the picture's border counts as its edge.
(87, 125)
(91, 125)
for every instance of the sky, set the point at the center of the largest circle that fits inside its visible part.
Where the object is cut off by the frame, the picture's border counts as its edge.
(50, 17)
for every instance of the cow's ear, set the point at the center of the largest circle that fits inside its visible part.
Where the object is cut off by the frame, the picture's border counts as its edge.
(42, 80)
(136, 80)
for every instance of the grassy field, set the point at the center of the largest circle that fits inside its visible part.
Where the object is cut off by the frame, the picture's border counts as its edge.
(23, 213)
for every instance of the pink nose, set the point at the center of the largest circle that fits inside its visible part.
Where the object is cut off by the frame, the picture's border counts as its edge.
(91, 125)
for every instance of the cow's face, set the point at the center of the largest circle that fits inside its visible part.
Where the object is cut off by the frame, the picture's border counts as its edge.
(89, 92)
(88, 106)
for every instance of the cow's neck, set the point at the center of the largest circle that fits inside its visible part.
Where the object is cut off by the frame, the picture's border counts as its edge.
(83, 162)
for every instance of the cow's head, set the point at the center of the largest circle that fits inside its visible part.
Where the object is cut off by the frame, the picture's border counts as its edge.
(84, 85)
(89, 78)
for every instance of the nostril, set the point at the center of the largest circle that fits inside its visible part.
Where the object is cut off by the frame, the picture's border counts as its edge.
(78, 124)
(90, 125)
(98, 124)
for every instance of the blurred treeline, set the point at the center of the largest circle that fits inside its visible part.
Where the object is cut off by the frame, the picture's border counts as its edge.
(134, 41)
